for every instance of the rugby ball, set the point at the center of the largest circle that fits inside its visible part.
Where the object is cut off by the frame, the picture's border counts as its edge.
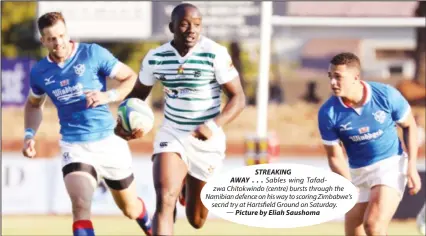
(136, 114)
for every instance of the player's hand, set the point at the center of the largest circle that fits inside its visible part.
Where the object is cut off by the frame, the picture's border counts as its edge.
(29, 148)
(119, 131)
(414, 182)
(96, 98)
(202, 132)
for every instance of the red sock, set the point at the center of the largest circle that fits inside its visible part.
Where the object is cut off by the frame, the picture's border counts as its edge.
(83, 228)
(143, 220)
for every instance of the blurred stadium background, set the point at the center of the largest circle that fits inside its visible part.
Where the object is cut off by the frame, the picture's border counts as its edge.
(34, 201)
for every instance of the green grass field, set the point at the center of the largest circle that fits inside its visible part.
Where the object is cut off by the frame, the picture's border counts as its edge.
(116, 225)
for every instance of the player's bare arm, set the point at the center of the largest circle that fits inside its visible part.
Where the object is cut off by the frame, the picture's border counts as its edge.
(232, 109)
(127, 78)
(337, 161)
(409, 129)
(33, 115)
(140, 91)
(235, 104)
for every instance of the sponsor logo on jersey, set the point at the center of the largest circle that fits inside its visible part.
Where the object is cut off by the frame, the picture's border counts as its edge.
(69, 94)
(367, 136)
(197, 73)
(175, 93)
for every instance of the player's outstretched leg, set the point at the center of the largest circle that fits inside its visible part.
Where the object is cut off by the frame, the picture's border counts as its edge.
(195, 210)
(382, 205)
(354, 220)
(80, 182)
(169, 171)
(125, 196)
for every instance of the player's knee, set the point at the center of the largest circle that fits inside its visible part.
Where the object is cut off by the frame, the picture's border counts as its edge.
(80, 205)
(166, 199)
(196, 221)
(374, 227)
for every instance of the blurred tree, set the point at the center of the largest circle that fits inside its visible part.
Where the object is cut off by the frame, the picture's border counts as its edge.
(414, 90)
(235, 51)
(250, 72)
(18, 30)
(420, 53)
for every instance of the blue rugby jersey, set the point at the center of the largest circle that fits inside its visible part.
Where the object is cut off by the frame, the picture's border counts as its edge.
(368, 133)
(65, 84)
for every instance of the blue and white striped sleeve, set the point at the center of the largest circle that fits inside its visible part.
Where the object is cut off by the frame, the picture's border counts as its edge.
(328, 133)
(108, 64)
(400, 107)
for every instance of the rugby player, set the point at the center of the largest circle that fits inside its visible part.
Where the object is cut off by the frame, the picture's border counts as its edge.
(73, 76)
(362, 117)
(190, 145)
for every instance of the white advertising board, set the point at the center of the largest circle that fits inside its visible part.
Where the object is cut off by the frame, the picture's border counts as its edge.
(25, 186)
(103, 20)
(35, 186)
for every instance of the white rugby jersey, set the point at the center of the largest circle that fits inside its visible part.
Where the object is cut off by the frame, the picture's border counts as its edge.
(192, 84)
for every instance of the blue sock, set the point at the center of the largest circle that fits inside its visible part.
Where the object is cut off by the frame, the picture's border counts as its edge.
(83, 228)
(144, 221)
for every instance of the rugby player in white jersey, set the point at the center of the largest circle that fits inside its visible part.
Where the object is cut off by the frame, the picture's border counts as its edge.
(190, 145)
(362, 117)
(74, 76)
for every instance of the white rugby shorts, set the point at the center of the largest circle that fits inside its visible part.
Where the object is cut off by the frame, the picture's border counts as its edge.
(111, 156)
(203, 158)
(390, 172)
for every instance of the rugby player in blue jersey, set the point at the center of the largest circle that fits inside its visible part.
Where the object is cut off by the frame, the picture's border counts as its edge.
(73, 76)
(362, 117)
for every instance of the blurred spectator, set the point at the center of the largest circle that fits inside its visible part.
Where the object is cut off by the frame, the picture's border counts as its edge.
(311, 93)
(275, 92)
(235, 52)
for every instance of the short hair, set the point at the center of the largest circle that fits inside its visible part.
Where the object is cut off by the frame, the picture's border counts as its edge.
(179, 8)
(346, 58)
(49, 19)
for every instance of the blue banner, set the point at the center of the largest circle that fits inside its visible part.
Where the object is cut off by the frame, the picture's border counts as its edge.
(15, 77)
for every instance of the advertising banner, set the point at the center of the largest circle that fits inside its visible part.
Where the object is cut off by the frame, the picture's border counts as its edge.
(102, 20)
(222, 20)
(15, 77)
(36, 186)
(26, 186)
